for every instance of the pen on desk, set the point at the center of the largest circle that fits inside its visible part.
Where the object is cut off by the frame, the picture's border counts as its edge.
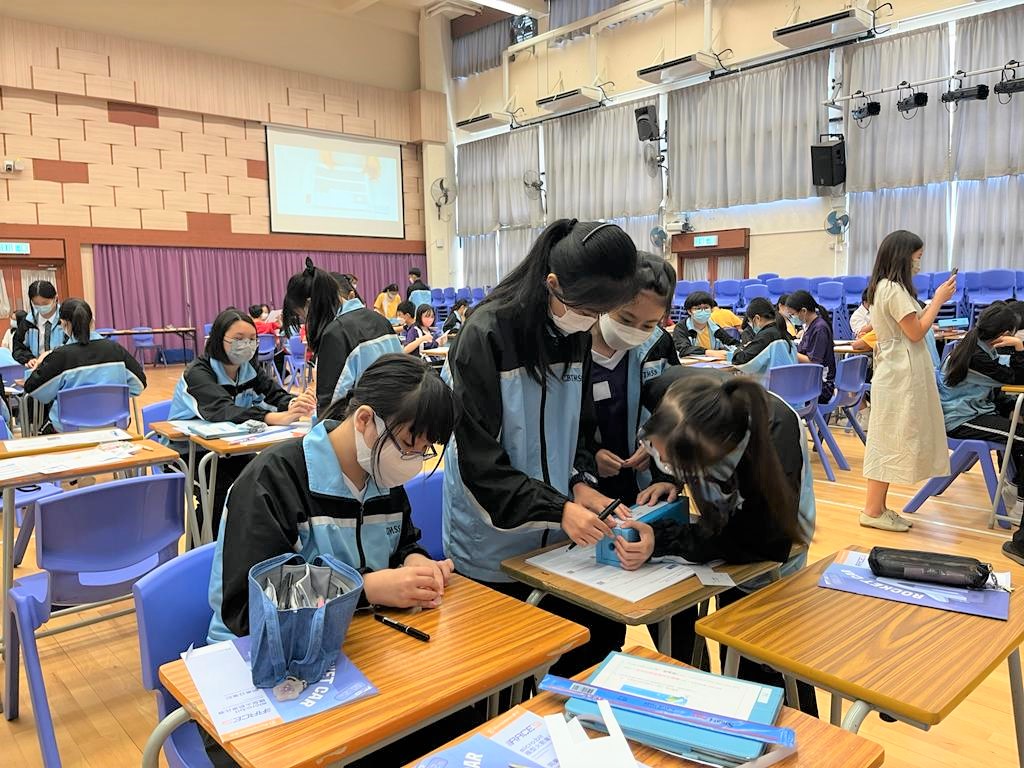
(387, 621)
(604, 514)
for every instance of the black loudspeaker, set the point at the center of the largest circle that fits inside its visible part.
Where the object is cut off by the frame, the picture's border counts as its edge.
(647, 123)
(828, 163)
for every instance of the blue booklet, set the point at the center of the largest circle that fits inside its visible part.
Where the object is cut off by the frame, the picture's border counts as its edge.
(476, 752)
(851, 573)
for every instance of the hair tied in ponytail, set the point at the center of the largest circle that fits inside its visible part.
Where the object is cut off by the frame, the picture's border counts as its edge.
(310, 267)
(598, 228)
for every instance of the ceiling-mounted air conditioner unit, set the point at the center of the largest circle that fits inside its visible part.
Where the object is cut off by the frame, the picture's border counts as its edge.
(679, 69)
(485, 122)
(850, 22)
(566, 101)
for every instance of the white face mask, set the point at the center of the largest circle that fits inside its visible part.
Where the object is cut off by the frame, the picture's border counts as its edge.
(389, 469)
(573, 322)
(621, 336)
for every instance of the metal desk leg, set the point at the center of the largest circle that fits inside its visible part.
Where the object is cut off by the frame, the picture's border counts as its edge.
(206, 487)
(1017, 693)
(160, 734)
(535, 597)
(792, 694)
(8, 545)
(665, 637)
(700, 644)
(732, 663)
(836, 716)
(1006, 462)
(855, 716)
(192, 534)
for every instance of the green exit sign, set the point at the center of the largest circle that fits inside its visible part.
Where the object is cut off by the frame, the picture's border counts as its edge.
(705, 241)
(19, 248)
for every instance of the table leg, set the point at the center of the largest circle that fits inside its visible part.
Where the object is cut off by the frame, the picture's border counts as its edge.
(855, 716)
(1017, 694)
(836, 716)
(190, 498)
(207, 464)
(493, 705)
(8, 564)
(732, 663)
(1006, 462)
(535, 597)
(160, 734)
(700, 644)
(517, 693)
(792, 694)
(665, 637)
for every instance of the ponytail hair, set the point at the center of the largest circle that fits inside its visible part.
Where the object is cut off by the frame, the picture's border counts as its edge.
(798, 300)
(701, 420)
(321, 290)
(995, 320)
(657, 275)
(762, 307)
(78, 314)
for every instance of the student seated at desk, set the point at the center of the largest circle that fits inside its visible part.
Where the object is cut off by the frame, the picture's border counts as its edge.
(41, 330)
(782, 309)
(817, 344)
(457, 316)
(17, 318)
(264, 327)
(973, 407)
(86, 359)
(387, 301)
(628, 349)
(741, 452)
(222, 385)
(419, 335)
(406, 315)
(766, 325)
(860, 320)
(339, 492)
(700, 334)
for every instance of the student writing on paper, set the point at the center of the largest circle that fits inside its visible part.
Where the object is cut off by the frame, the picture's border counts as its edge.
(628, 349)
(973, 407)
(41, 330)
(339, 491)
(85, 360)
(457, 316)
(420, 335)
(520, 472)
(222, 385)
(766, 325)
(741, 453)
(700, 333)
(817, 343)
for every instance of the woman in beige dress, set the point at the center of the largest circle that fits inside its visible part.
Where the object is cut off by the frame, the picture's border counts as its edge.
(907, 440)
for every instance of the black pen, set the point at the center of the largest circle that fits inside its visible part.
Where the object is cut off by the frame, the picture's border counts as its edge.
(604, 514)
(387, 621)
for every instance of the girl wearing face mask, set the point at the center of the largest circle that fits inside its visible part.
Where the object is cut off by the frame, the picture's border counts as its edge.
(520, 472)
(223, 385)
(387, 301)
(41, 331)
(701, 333)
(766, 326)
(817, 343)
(741, 453)
(629, 348)
(86, 359)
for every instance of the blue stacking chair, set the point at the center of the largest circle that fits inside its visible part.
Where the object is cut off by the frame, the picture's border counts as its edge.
(754, 291)
(797, 284)
(853, 286)
(727, 293)
(996, 285)
(966, 453)
(449, 298)
(174, 614)
(478, 295)
(424, 494)
(776, 288)
(700, 285)
(437, 301)
(296, 360)
(764, 277)
(679, 297)
(93, 544)
(816, 281)
(464, 293)
(155, 412)
(851, 384)
(143, 342)
(923, 285)
(25, 505)
(832, 296)
(94, 406)
(265, 355)
(1019, 292)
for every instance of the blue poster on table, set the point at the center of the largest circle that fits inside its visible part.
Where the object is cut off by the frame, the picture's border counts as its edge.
(850, 573)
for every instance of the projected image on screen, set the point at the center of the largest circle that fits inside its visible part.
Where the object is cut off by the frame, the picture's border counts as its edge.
(327, 184)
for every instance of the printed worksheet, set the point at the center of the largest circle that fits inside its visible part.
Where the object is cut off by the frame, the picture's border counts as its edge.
(580, 565)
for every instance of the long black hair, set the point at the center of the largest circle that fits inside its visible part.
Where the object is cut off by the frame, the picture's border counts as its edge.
(894, 262)
(78, 314)
(321, 290)
(403, 389)
(761, 307)
(596, 268)
(214, 349)
(701, 420)
(798, 300)
(996, 320)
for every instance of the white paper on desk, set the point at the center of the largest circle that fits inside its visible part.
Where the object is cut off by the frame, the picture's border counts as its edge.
(580, 565)
(224, 683)
(271, 435)
(53, 463)
(65, 439)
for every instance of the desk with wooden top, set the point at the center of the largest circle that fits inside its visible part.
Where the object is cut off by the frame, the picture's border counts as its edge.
(167, 430)
(1018, 390)
(150, 454)
(658, 608)
(913, 663)
(435, 352)
(480, 643)
(819, 745)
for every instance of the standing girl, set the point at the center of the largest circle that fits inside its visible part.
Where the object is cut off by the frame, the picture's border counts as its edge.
(41, 330)
(906, 443)
(520, 469)
(817, 345)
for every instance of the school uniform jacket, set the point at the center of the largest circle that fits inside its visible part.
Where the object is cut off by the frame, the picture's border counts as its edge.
(758, 343)
(292, 497)
(685, 337)
(509, 463)
(100, 361)
(975, 395)
(350, 343)
(27, 343)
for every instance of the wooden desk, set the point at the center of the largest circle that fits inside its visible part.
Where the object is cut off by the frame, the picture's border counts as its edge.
(658, 608)
(820, 745)
(1018, 390)
(167, 430)
(916, 664)
(435, 352)
(481, 642)
(16, 451)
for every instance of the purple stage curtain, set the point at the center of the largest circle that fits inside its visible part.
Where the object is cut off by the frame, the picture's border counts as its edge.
(161, 286)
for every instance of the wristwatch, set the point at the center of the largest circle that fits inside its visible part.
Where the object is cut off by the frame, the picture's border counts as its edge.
(582, 477)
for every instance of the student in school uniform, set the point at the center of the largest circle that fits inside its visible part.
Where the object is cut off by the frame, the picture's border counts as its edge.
(699, 334)
(17, 318)
(339, 491)
(817, 344)
(41, 331)
(629, 348)
(987, 358)
(312, 300)
(350, 343)
(222, 385)
(860, 320)
(520, 471)
(265, 327)
(741, 452)
(782, 309)
(906, 443)
(406, 315)
(415, 282)
(419, 335)
(85, 359)
(457, 316)
(387, 301)
(766, 325)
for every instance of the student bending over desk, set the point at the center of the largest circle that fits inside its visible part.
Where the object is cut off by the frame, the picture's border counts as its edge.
(41, 331)
(742, 453)
(766, 325)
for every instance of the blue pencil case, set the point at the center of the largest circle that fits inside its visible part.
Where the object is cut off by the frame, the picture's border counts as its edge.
(677, 510)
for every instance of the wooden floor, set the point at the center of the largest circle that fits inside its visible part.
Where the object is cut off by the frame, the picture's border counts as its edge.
(103, 716)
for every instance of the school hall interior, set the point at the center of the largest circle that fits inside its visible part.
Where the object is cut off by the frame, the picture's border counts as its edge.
(232, 233)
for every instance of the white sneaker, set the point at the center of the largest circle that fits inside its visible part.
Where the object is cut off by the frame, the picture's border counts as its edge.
(887, 521)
